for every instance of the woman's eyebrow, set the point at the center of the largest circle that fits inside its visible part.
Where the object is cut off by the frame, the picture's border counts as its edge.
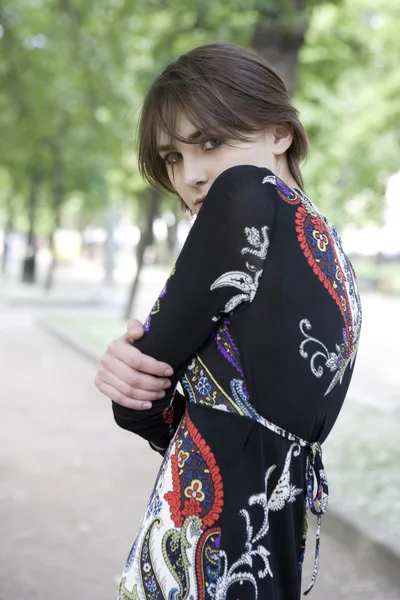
(165, 147)
(191, 137)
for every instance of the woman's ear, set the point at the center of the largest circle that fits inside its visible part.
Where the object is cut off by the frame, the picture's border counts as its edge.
(282, 137)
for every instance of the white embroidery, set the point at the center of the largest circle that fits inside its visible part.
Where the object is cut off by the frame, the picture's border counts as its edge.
(283, 493)
(325, 497)
(245, 282)
(270, 179)
(333, 361)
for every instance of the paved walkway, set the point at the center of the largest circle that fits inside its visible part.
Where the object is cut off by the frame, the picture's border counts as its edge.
(73, 485)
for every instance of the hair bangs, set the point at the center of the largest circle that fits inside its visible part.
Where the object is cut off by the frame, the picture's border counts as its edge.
(225, 92)
(203, 107)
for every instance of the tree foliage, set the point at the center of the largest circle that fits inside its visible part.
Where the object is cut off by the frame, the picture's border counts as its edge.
(73, 75)
(348, 97)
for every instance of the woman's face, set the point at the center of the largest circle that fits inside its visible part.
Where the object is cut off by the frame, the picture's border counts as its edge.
(192, 168)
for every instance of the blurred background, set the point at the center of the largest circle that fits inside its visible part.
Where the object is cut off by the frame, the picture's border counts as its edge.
(85, 245)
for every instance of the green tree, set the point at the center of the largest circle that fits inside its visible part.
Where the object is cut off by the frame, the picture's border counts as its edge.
(73, 78)
(348, 96)
(56, 92)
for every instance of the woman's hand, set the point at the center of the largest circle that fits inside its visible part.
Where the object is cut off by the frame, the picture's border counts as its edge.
(129, 377)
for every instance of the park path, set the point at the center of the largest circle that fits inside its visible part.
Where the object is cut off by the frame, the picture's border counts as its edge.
(73, 485)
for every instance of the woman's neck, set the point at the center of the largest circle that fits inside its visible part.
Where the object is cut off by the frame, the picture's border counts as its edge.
(283, 172)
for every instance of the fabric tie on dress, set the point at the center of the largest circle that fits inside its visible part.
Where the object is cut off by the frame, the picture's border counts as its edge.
(318, 503)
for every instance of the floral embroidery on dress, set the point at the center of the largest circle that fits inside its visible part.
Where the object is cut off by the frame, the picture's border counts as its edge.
(179, 531)
(287, 193)
(226, 345)
(247, 283)
(197, 484)
(241, 570)
(322, 248)
(203, 389)
(321, 245)
(208, 563)
(334, 361)
(173, 414)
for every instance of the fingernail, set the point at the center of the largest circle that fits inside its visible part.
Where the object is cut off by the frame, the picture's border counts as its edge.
(136, 330)
(168, 372)
(147, 405)
(161, 395)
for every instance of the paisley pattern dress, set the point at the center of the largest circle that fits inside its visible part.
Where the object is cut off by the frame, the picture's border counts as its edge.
(260, 320)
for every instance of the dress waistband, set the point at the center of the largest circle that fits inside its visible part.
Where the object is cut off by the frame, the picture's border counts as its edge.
(315, 480)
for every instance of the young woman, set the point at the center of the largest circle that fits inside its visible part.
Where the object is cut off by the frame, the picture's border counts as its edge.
(260, 321)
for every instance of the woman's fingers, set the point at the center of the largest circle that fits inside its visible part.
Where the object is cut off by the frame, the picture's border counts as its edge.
(132, 378)
(131, 356)
(128, 390)
(129, 377)
(135, 331)
(125, 367)
(147, 364)
(118, 397)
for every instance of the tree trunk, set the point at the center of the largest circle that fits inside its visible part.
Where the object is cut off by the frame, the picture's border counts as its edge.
(9, 228)
(111, 219)
(172, 237)
(58, 195)
(29, 267)
(146, 239)
(49, 279)
(279, 37)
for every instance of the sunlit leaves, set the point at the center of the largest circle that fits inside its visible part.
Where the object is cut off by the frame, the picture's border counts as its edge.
(73, 75)
(348, 96)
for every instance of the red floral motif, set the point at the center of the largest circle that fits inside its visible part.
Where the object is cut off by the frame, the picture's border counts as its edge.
(191, 507)
(178, 505)
(332, 287)
(168, 415)
(322, 240)
(182, 458)
(195, 491)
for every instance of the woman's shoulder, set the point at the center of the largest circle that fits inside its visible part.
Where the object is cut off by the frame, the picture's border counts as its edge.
(238, 197)
(240, 187)
(242, 175)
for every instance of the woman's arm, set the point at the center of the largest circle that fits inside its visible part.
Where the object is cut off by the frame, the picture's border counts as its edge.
(129, 377)
(217, 270)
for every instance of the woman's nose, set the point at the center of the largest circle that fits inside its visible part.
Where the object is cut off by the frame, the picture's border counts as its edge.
(194, 173)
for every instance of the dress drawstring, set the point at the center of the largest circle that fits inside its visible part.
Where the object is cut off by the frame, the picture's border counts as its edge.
(317, 504)
(315, 473)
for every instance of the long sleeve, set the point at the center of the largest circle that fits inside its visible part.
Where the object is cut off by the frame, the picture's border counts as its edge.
(217, 271)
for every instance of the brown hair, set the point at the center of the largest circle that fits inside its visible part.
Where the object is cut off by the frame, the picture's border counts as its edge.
(223, 90)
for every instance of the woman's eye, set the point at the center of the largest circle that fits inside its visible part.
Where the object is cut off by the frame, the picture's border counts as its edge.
(172, 158)
(212, 144)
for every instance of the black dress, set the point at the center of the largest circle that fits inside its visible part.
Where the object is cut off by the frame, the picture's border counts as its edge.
(260, 320)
